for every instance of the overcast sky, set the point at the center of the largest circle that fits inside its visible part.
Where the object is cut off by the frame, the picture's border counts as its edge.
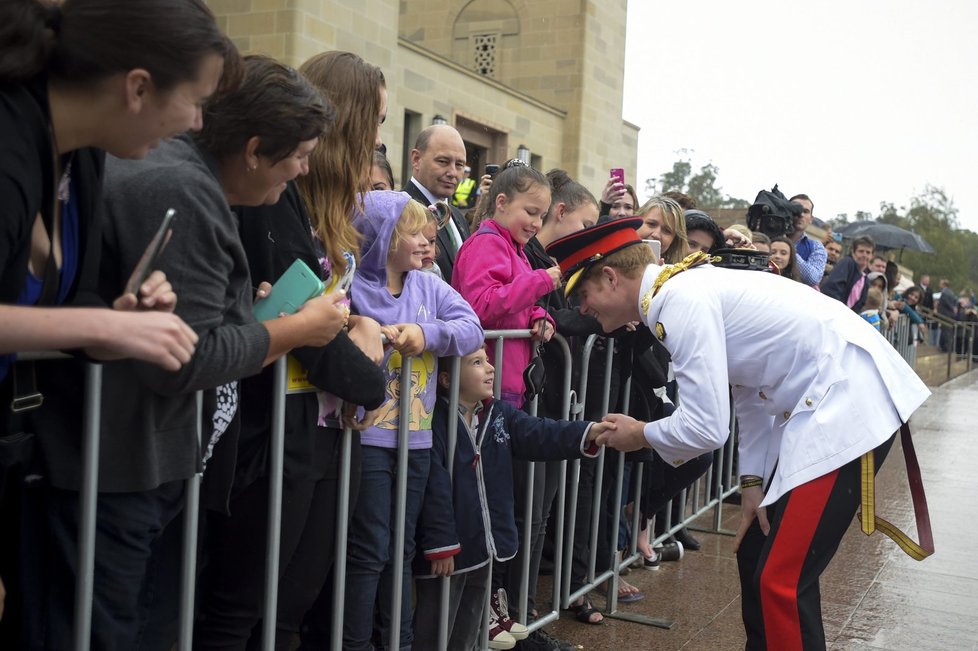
(851, 102)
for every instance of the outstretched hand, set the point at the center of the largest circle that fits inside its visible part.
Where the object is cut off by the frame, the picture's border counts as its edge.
(623, 433)
(596, 430)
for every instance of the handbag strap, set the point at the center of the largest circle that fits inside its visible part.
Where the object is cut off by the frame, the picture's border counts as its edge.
(26, 395)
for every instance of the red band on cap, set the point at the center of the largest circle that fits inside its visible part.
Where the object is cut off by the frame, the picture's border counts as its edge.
(609, 242)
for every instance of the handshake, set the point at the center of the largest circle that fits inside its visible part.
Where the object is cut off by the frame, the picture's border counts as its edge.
(618, 431)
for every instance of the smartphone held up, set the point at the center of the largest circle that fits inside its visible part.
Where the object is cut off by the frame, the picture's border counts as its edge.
(618, 174)
(656, 247)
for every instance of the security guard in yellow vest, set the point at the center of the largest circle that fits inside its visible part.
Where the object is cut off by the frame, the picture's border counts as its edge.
(465, 192)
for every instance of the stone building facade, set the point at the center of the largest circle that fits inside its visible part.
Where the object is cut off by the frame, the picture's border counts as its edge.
(544, 74)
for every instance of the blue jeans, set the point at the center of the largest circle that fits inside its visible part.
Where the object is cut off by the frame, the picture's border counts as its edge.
(370, 550)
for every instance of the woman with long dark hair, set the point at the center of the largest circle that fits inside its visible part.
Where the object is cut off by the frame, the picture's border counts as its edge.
(78, 79)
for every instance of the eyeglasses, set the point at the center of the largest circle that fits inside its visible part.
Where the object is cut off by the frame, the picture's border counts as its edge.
(442, 213)
(515, 162)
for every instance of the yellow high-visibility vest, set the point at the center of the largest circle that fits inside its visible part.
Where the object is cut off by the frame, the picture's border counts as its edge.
(463, 193)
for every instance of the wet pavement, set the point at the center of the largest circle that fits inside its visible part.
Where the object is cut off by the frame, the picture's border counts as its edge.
(874, 597)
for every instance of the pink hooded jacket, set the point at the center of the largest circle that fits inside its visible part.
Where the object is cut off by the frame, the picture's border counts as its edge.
(493, 274)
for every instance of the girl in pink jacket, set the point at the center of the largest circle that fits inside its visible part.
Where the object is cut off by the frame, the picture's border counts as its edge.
(493, 274)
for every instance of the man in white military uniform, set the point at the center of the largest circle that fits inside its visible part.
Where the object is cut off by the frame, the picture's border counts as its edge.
(814, 387)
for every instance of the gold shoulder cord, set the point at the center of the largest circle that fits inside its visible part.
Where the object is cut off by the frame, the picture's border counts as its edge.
(871, 522)
(690, 261)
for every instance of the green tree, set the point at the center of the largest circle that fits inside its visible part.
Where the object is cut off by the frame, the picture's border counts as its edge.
(700, 186)
(933, 216)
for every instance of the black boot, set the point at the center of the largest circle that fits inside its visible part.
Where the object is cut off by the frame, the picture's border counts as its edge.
(686, 538)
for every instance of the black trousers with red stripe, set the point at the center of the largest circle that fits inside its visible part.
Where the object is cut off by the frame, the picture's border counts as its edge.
(779, 572)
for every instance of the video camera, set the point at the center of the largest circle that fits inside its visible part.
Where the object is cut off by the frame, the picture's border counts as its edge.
(772, 213)
(741, 259)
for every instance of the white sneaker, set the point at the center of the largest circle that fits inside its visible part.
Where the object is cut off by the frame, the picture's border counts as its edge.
(499, 605)
(499, 637)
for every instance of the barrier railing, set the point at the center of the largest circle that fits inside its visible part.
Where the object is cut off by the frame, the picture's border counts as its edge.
(707, 493)
(959, 344)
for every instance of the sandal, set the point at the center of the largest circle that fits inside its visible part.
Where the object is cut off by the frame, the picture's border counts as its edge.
(584, 611)
(627, 593)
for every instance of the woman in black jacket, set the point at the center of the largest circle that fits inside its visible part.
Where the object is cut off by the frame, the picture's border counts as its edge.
(77, 79)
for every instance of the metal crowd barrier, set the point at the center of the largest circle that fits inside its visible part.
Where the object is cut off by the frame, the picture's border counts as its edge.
(707, 493)
(902, 336)
(960, 342)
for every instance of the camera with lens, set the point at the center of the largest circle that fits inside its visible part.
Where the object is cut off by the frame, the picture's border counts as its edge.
(772, 213)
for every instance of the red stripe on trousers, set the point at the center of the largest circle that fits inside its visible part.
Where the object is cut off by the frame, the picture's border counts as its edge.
(782, 569)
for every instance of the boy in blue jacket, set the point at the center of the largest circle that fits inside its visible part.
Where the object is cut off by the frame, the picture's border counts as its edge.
(466, 522)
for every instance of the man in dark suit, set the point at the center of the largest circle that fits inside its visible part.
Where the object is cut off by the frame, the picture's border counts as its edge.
(927, 300)
(437, 166)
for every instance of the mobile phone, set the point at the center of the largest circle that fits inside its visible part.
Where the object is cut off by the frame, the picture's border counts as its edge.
(619, 174)
(656, 247)
(342, 283)
(293, 288)
(147, 262)
(492, 169)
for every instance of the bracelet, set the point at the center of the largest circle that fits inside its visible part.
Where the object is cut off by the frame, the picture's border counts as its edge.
(751, 482)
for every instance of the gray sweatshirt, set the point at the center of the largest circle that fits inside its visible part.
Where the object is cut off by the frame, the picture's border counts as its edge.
(149, 426)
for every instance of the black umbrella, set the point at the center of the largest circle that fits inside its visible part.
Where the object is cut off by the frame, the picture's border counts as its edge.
(886, 236)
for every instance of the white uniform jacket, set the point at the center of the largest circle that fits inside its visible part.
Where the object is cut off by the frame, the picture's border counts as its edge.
(814, 385)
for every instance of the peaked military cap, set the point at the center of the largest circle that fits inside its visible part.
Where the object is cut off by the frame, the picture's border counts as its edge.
(575, 253)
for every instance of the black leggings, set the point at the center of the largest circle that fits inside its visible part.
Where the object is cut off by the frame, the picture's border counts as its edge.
(232, 594)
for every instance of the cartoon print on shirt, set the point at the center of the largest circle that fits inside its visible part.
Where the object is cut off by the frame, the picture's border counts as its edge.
(421, 413)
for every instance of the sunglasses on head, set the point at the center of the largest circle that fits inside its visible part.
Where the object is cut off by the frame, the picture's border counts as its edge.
(515, 162)
(442, 212)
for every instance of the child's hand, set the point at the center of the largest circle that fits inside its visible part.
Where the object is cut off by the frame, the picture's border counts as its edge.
(554, 273)
(542, 330)
(623, 433)
(597, 429)
(443, 566)
(408, 338)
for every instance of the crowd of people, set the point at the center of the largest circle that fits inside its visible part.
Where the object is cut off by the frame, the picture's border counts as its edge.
(113, 114)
